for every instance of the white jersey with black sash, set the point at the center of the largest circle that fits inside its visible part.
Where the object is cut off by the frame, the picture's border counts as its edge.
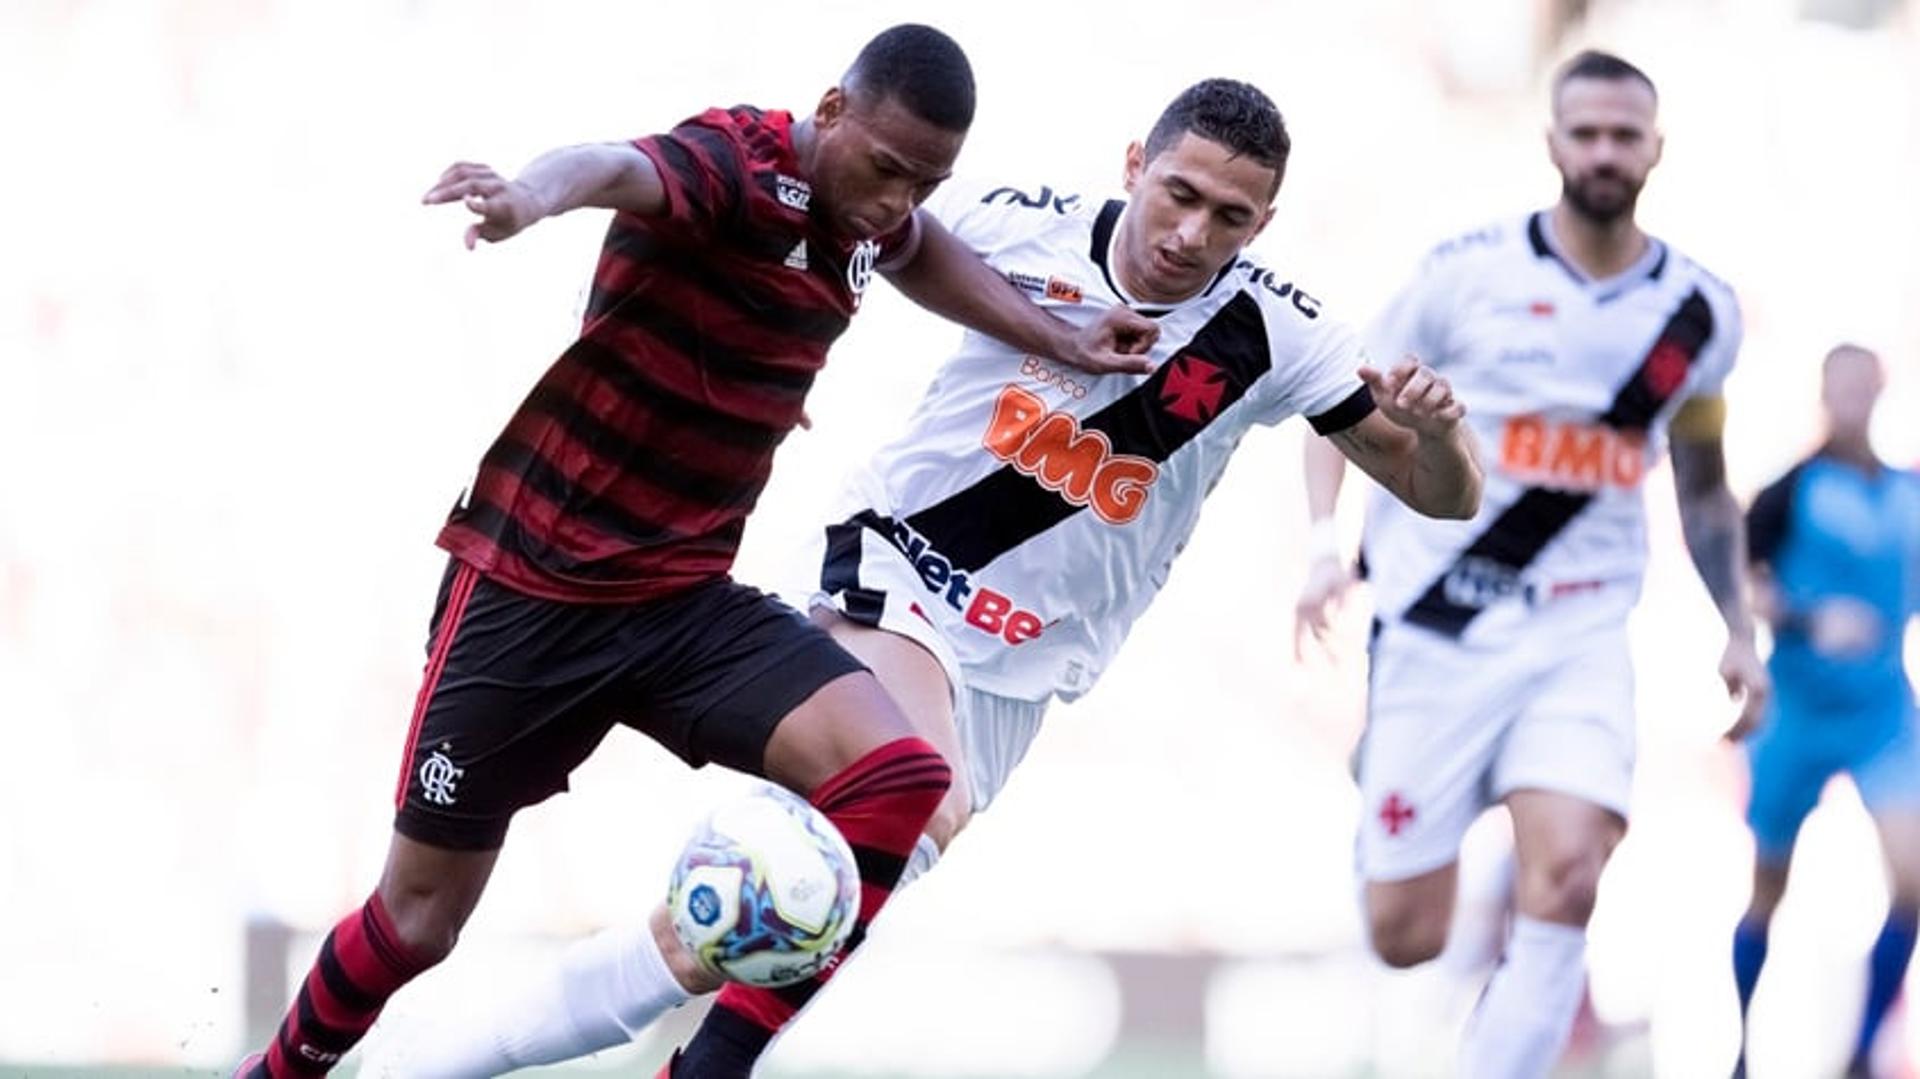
(1038, 508)
(1569, 384)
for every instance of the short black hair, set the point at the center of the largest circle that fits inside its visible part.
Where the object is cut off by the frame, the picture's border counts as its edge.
(921, 68)
(1594, 64)
(1232, 113)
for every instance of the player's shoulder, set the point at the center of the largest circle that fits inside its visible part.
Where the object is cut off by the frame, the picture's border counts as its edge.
(1283, 299)
(1494, 249)
(993, 213)
(1691, 271)
(1034, 204)
(1492, 240)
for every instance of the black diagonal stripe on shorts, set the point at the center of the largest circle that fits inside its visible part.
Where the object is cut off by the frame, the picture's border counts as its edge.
(1006, 508)
(840, 569)
(1517, 536)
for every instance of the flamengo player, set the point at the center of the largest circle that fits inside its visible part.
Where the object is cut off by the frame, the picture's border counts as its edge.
(1499, 667)
(588, 581)
(996, 555)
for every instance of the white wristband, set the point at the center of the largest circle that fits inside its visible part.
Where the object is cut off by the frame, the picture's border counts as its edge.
(1323, 540)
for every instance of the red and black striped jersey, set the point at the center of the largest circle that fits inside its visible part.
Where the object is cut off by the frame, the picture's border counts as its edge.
(629, 471)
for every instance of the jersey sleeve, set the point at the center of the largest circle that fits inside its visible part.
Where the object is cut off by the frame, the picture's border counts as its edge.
(1768, 516)
(1723, 348)
(702, 168)
(1317, 361)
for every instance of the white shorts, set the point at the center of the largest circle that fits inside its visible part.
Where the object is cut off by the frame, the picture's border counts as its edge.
(1452, 730)
(995, 732)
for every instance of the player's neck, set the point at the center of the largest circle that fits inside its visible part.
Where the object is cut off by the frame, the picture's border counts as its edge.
(802, 134)
(1851, 448)
(1598, 249)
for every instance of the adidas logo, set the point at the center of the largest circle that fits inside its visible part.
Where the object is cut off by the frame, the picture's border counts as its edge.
(797, 258)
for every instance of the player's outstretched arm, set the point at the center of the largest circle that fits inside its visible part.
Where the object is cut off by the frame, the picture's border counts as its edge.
(948, 278)
(614, 176)
(1328, 575)
(1715, 532)
(1414, 444)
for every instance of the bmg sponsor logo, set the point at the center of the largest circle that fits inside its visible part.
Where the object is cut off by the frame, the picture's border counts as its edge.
(1572, 456)
(1080, 466)
(984, 609)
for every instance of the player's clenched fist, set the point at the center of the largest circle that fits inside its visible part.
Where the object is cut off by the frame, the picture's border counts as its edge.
(1412, 395)
(503, 206)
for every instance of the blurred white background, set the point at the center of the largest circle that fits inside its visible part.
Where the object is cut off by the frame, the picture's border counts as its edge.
(243, 373)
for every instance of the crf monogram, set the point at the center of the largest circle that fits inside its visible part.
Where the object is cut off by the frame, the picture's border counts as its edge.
(1080, 465)
(860, 266)
(1573, 456)
(438, 777)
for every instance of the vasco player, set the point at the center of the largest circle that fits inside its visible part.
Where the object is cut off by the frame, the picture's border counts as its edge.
(1835, 546)
(588, 582)
(1499, 666)
(996, 555)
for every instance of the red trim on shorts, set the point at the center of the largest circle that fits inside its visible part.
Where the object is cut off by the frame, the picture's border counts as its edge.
(464, 579)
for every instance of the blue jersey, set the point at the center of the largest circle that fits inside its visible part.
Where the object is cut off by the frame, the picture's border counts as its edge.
(1830, 530)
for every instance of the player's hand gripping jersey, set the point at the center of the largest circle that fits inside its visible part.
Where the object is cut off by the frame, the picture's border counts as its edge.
(1030, 512)
(1571, 384)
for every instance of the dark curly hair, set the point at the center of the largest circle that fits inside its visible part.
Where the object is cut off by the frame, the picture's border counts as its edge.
(922, 69)
(1235, 115)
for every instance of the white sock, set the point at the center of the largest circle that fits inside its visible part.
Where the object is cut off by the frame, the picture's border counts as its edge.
(1521, 1025)
(925, 853)
(608, 988)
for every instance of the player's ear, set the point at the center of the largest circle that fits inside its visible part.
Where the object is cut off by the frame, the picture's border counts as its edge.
(1136, 164)
(1659, 147)
(1262, 226)
(832, 106)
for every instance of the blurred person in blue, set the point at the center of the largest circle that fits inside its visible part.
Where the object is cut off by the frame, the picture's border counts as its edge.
(1499, 667)
(1835, 552)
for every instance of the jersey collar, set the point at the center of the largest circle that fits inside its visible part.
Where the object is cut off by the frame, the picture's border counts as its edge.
(1649, 268)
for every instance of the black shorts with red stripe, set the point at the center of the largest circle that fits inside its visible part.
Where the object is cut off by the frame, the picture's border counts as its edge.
(519, 690)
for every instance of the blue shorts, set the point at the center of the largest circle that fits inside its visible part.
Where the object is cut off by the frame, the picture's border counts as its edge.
(1797, 752)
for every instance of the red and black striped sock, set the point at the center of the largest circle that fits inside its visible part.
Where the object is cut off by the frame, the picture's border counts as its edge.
(361, 963)
(881, 804)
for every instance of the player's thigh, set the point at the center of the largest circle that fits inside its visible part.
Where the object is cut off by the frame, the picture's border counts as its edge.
(510, 703)
(1436, 717)
(1574, 733)
(748, 682)
(1788, 770)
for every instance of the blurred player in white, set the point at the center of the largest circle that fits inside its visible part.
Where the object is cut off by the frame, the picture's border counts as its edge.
(996, 555)
(1500, 670)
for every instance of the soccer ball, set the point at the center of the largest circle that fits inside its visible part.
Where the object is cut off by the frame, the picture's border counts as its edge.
(766, 891)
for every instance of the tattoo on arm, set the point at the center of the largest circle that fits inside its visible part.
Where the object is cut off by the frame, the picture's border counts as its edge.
(1711, 521)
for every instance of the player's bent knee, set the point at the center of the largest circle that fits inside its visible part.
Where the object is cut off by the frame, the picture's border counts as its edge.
(1563, 889)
